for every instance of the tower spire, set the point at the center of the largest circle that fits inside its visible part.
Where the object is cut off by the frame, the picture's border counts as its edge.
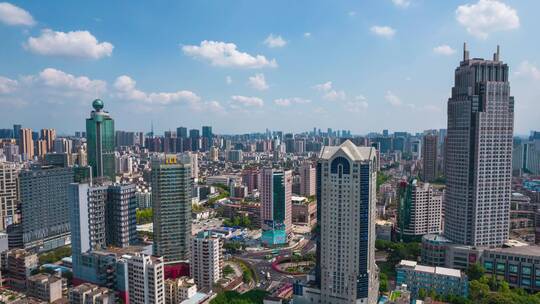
(497, 55)
(465, 52)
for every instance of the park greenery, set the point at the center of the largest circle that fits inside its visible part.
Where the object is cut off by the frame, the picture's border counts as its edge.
(239, 221)
(233, 246)
(144, 216)
(396, 252)
(254, 296)
(227, 270)
(55, 255)
(381, 179)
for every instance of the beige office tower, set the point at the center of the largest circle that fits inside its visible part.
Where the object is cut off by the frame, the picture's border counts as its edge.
(48, 135)
(479, 153)
(146, 281)
(346, 193)
(41, 147)
(26, 144)
(8, 194)
(307, 179)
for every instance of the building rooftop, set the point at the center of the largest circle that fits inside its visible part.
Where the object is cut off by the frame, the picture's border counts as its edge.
(428, 269)
(523, 250)
(351, 150)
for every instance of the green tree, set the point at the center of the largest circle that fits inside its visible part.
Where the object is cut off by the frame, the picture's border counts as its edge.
(383, 282)
(475, 271)
(478, 290)
(422, 293)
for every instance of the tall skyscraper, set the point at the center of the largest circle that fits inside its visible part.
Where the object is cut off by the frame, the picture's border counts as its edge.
(17, 131)
(181, 132)
(8, 194)
(171, 201)
(429, 158)
(420, 210)
(307, 179)
(479, 153)
(276, 205)
(100, 141)
(48, 135)
(208, 137)
(194, 137)
(26, 143)
(206, 264)
(41, 147)
(346, 194)
(44, 206)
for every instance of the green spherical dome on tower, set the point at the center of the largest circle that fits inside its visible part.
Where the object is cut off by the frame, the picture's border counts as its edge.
(98, 104)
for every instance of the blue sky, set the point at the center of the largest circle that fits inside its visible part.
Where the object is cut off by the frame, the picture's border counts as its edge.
(247, 65)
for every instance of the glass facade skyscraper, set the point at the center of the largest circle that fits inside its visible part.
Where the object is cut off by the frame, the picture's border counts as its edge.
(171, 203)
(100, 141)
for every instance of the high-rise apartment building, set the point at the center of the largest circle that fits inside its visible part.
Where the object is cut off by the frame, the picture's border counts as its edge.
(346, 194)
(121, 218)
(171, 201)
(26, 143)
(9, 194)
(276, 207)
(100, 141)
(307, 179)
(479, 153)
(419, 210)
(146, 281)
(41, 148)
(44, 206)
(48, 135)
(429, 157)
(206, 264)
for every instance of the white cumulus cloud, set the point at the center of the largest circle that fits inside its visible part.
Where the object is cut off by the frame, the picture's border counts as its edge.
(80, 44)
(359, 104)
(401, 3)
(527, 69)
(487, 16)
(393, 99)
(275, 41)
(14, 15)
(224, 54)
(7, 85)
(61, 80)
(258, 82)
(444, 50)
(247, 101)
(126, 89)
(285, 102)
(383, 31)
(329, 93)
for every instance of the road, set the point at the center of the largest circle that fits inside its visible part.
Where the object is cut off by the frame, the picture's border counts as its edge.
(261, 264)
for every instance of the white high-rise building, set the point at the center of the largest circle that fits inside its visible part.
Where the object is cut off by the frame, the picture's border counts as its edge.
(206, 265)
(146, 281)
(420, 210)
(479, 153)
(346, 272)
(8, 194)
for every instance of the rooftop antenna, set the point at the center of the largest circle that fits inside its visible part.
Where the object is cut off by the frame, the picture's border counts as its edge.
(465, 52)
(152, 128)
(496, 56)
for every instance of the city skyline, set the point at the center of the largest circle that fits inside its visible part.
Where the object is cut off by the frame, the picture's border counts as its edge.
(169, 68)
